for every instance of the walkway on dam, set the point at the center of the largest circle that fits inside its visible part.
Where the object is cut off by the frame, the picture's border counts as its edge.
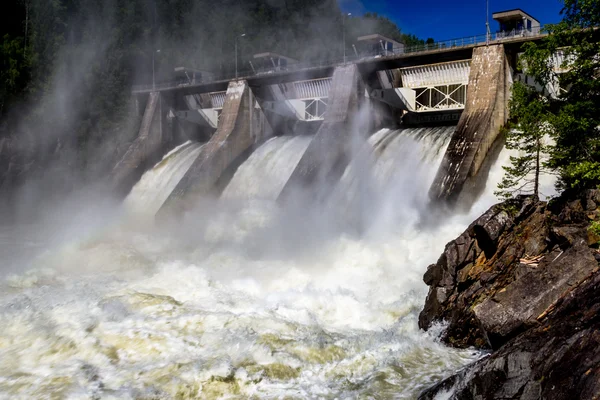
(448, 50)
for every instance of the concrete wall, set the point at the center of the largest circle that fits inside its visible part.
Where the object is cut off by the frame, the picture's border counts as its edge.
(485, 113)
(328, 153)
(145, 148)
(242, 125)
(281, 115)
(195, 119)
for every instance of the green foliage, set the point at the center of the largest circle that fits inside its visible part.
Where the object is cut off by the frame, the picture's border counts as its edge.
(577, 112)
(594, 229)
(528, 137)
(569, 115)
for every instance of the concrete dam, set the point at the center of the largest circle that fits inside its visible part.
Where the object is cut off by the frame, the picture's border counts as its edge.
(293, 264)
(322, 118)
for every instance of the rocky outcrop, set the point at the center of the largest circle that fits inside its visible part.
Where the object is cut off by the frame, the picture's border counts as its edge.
(523, 281)
(557, 359)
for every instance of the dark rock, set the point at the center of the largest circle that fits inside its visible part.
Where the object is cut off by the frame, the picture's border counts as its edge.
(557, 360)
(470, 265)
(567, 236)
(572, 213)
(481, 288)
(527, 285)
(518, 305)
(487, 234)
(592, 199)
(527, 204)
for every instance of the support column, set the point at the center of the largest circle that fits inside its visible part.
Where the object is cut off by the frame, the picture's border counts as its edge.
(485, 113)
(145, 148)
(241, 126)
(328, 153)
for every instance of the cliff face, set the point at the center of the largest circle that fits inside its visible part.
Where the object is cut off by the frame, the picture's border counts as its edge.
(523, 281)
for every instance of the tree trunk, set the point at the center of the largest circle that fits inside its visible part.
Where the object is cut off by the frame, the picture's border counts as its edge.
(536, 182)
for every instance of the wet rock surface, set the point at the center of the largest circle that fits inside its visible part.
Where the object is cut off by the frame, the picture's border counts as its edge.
(523, 282)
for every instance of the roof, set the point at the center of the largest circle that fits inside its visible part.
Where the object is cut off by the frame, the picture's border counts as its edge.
(512, 13)
(375, 37)
(273, 55)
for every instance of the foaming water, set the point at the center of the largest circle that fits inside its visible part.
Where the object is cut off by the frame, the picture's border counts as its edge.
(230, 304)
(391, 176)
(267, 170)
(149, 194)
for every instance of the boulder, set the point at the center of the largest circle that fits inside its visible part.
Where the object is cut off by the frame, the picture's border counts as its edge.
(517, 306)
(559, 359)
(507, 268)
(523, 281)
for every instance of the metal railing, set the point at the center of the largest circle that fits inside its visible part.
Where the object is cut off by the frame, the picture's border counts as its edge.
(444, 45)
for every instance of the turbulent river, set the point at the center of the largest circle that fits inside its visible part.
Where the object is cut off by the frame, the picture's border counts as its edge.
(241, 298)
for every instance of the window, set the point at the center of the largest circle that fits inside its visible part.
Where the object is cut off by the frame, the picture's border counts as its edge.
(529, 25)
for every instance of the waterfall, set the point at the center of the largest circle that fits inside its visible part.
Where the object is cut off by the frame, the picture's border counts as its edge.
(244, 299)
(267, 170)
(393, 170)
(149, 194)
(413, 153)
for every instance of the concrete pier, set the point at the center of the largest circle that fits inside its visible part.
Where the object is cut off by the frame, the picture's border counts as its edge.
(144, 149)
(485, 113)
(328, 153)
(241, 126)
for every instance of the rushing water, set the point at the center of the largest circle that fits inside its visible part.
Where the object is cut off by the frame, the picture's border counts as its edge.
(149, 194)
(241, 299)
(268, 169)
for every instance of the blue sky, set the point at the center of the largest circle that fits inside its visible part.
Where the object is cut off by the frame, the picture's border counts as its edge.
(446, 19)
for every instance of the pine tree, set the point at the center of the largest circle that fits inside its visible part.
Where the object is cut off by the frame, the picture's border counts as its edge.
(566, 106)
(529, 137)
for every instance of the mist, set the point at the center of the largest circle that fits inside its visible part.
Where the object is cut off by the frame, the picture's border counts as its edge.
(238, 294)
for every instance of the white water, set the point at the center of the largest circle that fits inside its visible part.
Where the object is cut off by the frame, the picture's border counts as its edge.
(241, 301)
(267, 170)
(391, 176)
(149, 194)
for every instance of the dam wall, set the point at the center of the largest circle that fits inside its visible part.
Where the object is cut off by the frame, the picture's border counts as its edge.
(281, 115)
(486, 111)
(330, 149)
(145, 148)
(242, 125)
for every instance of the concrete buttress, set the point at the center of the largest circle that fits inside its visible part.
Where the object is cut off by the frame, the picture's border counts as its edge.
(241, 126)
(329, 151)
(485, 113)
(145, 147)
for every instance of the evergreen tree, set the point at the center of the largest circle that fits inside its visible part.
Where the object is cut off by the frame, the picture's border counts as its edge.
(567, 104)
(528, 137)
